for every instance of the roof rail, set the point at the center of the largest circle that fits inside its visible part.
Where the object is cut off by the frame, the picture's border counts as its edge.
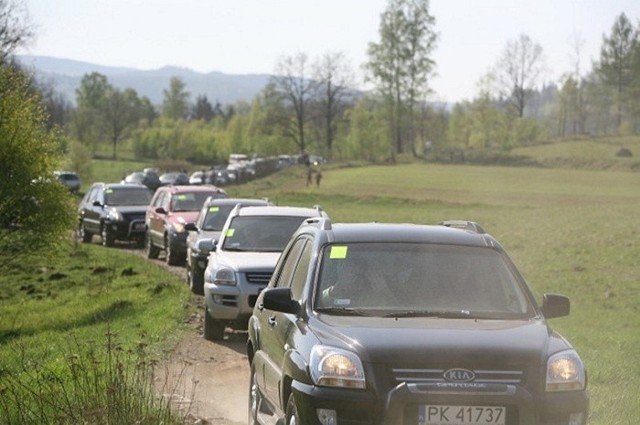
(323, 222)
(471, 226)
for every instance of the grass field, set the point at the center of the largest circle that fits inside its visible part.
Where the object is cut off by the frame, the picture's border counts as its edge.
(570, 231)
(101, 310)
(573, 232)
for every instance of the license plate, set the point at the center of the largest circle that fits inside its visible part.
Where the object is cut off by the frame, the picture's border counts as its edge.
(461, 415)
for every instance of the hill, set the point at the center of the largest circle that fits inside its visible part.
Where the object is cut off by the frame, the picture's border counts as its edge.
(65, 76)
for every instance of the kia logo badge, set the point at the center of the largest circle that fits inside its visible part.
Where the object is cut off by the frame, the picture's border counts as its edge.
(459, 375)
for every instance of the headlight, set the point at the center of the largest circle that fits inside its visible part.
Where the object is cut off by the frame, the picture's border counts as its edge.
(221, 276)
(565, 372)
(114, 216)
(333, 367)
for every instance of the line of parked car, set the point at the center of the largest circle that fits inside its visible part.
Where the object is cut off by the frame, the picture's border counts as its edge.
(357, 322)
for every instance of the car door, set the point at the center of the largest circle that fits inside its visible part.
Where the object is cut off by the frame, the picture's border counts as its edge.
(93, 210)
(276, 327)
(155, 220)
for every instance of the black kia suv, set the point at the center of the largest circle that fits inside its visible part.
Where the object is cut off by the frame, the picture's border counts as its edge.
(408, 324)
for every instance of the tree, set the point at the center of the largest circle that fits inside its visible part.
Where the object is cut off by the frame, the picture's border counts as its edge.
(35, 210)
(518, 71)
(334, 77)
(292, 85)
(202, 110)
(15, 29)
(400, 64)
(617, 60)
(91, 98)
(122, 111)
(176, 100)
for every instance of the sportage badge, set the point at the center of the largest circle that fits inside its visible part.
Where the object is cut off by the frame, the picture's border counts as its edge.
(459, 375)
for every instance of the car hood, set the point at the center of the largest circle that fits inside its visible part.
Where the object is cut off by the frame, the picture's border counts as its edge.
(182, 217)
(242, 261)
(209, 234)
(128, 209)
(414, 340)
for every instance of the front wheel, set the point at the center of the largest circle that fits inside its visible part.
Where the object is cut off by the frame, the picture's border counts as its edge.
(171, 256)
(213, 329)
(254, 398)
(107, 237)
(85, 236)
(195, 280)
(293, 418)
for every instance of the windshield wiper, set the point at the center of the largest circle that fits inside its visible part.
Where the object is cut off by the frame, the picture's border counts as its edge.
(463, 314)
(348, 311)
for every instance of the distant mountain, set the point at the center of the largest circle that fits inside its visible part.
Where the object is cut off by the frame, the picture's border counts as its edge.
(65, 76)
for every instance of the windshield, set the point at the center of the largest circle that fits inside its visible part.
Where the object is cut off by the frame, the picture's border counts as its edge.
(260, 233)
(191, 201)
(414, 280)
(216, 216)
(127, 196)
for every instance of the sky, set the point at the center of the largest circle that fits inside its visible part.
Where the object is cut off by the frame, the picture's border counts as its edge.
(251, 36)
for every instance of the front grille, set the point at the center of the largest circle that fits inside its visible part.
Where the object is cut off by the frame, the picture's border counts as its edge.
(483, 376)
(258, 278)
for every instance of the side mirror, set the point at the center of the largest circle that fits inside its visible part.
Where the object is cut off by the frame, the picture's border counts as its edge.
(279, 299)
(205, 246)
(97, 203)
(191, 227)
(160, 210)
(554, 305)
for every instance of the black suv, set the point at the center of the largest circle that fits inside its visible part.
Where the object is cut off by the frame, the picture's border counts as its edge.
(115, 212)
(408, 324)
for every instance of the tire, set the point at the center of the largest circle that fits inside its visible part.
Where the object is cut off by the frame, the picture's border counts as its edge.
(255, 399)
(195, 281)
(171, 257)
(84, 236)
(152, 250)
(292, 416)
(107, 237)
(213, 329)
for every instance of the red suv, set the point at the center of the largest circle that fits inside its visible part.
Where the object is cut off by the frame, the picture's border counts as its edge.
(171, 208)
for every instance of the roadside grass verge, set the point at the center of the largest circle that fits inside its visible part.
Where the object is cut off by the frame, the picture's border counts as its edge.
(81, 331)
(570, 231)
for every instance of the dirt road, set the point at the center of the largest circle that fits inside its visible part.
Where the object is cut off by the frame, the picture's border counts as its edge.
(208, 381)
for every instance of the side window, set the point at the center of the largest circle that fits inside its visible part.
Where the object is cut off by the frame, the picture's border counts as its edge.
(290, 263)
(301, 271)
(158, 201)
(91, 196)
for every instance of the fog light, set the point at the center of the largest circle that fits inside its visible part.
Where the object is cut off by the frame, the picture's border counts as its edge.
(576, 418)
(217, 298)
(327, 416)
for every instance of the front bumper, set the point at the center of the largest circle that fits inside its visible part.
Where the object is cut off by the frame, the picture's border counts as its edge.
(404, 404)
(126, 230)
(232, 303)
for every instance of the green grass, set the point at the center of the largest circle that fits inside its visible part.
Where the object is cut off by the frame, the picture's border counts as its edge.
(573, 232)
(80, 301)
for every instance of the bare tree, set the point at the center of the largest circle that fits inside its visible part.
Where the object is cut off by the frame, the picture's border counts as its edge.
(518, 71)
(334, 77)
(15, 29)
(296, 89)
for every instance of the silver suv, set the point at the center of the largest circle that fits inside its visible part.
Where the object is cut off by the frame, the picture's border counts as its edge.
(243, 260)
